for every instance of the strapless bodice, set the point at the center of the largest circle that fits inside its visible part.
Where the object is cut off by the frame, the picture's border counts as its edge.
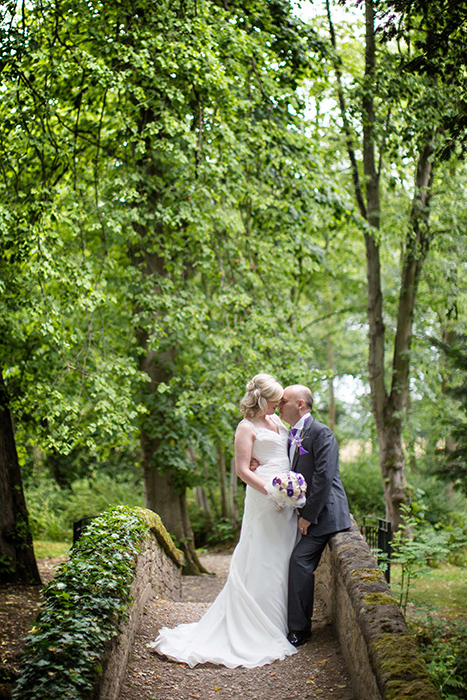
(270, 449)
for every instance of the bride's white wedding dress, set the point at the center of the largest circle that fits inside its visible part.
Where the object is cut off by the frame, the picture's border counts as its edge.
(247, 623)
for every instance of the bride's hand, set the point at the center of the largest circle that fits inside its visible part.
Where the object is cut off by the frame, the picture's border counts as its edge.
(254, 464)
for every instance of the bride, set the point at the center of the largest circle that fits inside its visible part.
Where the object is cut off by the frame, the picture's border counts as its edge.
(247, 623)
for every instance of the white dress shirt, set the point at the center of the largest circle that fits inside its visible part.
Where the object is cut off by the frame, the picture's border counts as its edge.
(298, 426)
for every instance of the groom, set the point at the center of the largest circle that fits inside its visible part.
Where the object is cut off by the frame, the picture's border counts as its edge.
(313, 452)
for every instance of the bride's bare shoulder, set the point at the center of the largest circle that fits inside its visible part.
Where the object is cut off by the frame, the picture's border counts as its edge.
(244, 431)
(244, 425)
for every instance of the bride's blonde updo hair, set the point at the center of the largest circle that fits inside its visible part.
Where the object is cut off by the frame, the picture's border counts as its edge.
(261, 389)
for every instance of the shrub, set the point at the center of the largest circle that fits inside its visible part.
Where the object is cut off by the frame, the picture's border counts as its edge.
(52, 510)
(45, 501)
(443, 644)
(363, 486)
(224, 532)
(212, 531)
(440, 503)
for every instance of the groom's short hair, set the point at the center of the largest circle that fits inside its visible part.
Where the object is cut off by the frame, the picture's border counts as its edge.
(307, 396)
(303, 392)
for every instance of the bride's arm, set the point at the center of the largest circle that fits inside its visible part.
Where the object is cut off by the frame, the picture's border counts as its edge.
(244, 438)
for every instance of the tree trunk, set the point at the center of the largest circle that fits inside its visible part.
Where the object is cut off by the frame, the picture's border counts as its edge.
(233, 492)
(222, 474)
(387, 419)
(17, 561)
(164, 487)
(387, 407)
(165, 492)
(202, 500)
(332, 398)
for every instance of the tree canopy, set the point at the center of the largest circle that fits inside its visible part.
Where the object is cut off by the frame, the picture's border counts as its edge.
(188, 195)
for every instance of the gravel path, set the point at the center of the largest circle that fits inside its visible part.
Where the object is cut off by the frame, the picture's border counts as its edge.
(317, 671)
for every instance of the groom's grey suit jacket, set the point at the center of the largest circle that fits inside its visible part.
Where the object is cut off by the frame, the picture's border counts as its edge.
(326, 508)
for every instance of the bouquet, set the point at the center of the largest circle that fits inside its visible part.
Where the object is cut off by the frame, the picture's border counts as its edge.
(287, 489)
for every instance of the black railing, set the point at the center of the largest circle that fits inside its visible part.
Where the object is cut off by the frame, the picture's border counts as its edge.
(378, 534)
(78, 527)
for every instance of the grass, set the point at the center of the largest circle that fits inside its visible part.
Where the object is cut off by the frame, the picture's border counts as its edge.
(443, 588)
(44, 549)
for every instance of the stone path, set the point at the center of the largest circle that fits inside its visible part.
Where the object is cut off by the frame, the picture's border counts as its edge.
(316, 672)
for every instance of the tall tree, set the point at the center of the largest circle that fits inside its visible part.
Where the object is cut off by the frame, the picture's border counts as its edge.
(165, 137)
(390, 105)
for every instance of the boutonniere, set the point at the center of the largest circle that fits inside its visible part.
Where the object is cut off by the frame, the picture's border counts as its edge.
(296, 441)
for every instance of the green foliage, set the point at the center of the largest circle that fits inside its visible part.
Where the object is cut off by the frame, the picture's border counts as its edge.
(224, 532)
(442, 588)
(362, 483)
(454, 465)
(167, 195)
(212, 531)
(443, 643)
(52, 510)
(436, 32)
(169, 190)
(441, 505)
(83, 608)
(415, 546)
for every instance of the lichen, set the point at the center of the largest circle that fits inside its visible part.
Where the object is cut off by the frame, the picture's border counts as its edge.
(379, 599)
(156, 526)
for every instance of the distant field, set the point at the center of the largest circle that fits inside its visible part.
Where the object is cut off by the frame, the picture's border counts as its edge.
(43, 549)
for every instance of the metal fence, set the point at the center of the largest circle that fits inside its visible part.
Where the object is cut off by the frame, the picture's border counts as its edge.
(378, 534)
(79, 526)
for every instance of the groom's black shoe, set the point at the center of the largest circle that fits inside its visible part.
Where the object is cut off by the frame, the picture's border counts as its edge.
(298, 638)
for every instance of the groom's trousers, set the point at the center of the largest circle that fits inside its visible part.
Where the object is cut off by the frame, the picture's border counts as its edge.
(303, 563)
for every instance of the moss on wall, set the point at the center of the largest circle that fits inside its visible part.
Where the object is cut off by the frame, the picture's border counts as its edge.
(156, 526)
(404, 672)
(415, 690)
(368, 574)
(379, 599)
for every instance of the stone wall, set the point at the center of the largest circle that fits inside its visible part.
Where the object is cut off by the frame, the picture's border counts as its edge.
(158, 572)
(380, 653)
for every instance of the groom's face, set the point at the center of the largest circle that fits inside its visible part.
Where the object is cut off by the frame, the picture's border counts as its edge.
(288, 407)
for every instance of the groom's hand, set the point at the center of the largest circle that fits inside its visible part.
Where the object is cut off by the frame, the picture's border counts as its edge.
(303, 525)
(254, 464)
